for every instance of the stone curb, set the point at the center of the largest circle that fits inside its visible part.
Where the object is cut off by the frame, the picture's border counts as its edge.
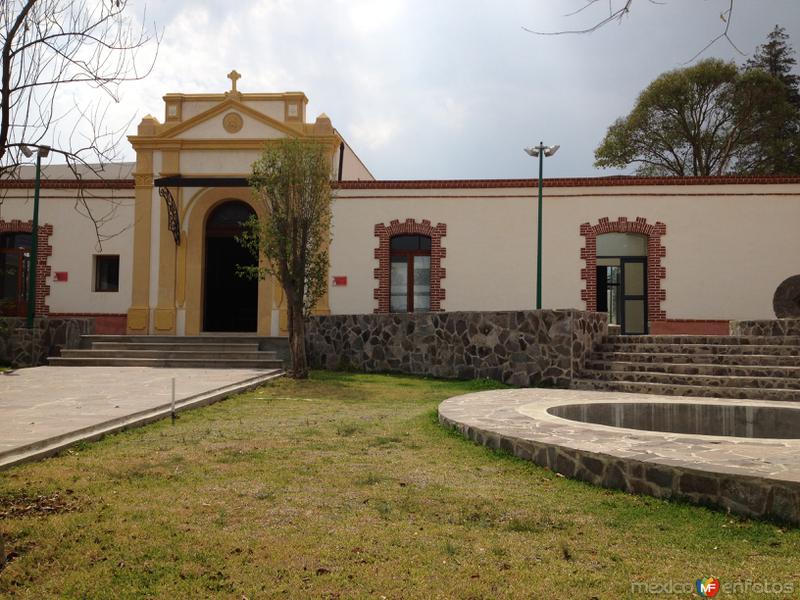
(747, 495)
(54, 444)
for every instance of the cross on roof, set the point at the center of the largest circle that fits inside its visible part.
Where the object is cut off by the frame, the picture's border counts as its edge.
(234, 77)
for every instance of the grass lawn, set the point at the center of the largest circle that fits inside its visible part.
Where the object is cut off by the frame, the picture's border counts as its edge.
(345, 486)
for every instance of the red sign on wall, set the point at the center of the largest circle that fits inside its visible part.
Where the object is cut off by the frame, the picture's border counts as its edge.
(61, 276)
(339, 280)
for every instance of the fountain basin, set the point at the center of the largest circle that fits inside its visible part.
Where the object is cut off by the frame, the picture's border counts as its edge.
(739, 455)
(729, 420)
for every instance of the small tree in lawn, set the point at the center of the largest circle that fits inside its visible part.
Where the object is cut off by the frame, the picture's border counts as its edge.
(293, 180)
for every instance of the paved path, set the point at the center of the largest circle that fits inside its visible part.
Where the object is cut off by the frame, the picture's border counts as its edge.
(45, 408)
(750, 476)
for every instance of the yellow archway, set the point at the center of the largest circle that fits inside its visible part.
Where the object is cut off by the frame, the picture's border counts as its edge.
(190, 290)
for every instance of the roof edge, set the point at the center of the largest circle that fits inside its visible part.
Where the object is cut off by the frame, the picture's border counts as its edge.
(566, 182)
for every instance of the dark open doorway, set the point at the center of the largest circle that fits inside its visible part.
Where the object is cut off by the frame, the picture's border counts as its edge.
(230, 302)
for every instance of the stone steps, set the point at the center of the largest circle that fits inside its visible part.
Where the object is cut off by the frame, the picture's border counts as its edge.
(199, 352)
(754, 367)
(736, 349)
(203, 353)
(736, 381)
(790, 372)
(221, 362)
(642, 387)
(722, 340)
(170, 347)
(706, 359)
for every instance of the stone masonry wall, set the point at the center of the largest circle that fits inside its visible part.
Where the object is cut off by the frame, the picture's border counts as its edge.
(21, 347)
(766, 327)
(523, 348)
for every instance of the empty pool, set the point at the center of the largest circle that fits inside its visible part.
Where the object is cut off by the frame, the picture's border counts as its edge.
(699, 419)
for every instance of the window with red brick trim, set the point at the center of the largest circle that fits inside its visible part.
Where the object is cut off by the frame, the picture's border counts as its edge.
(44, 252)
(383, 253)
(655, 252)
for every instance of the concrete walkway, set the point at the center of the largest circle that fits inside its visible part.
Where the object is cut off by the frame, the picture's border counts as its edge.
(45, 409)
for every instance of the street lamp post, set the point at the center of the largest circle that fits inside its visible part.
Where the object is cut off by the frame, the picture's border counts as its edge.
(41, 152)
(541, 151)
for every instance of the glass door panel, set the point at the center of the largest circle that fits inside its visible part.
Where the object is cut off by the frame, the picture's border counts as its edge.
(399, 284)
(634, 296)
(635, 317)
(634, 278)
(422, 283)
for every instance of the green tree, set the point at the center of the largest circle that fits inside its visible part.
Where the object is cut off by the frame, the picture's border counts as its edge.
(292, 180)
(778, 148)
(776, 57)
(705, 119)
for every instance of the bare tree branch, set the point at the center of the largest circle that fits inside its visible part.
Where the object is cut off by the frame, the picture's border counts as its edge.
(49, 46)
(617, 14)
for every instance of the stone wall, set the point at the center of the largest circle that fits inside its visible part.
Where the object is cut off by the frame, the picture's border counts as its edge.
(22, 347)
(767, 327)
(523, 348)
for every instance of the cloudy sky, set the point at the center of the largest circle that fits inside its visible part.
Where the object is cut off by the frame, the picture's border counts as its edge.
(445, 88)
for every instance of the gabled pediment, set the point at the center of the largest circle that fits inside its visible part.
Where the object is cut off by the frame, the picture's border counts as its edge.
(230, 119)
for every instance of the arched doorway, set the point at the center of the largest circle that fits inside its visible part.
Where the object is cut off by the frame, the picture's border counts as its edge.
(622, 280)
(230, 302)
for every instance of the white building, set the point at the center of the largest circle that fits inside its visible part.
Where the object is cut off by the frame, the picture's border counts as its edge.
(661, 255)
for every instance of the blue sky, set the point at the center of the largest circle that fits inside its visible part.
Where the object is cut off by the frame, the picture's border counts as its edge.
(451, 88)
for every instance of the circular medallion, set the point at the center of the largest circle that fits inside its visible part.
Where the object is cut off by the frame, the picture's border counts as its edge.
(232, 122)
(786, 301)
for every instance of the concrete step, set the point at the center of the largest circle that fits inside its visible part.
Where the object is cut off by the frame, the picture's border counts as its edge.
(172, 347)
(777, 371)
(725, 340)
(731, 349)
(708, 359)
(203, 354)
(223, 338)
(694, 380)
(223, 363)
(640, 387)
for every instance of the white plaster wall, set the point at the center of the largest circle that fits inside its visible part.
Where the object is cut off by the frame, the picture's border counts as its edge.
(728, 247)
(191, 108)
(490, 248)
(217, 162)
(352, 167)
(271, 108)
(74, 245)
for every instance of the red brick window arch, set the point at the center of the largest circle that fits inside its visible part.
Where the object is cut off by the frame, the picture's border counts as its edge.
(655, 252)
(44, 252)
(383, 253)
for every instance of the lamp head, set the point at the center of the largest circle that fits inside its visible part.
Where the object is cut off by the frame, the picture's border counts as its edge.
(26, 151)
(45, 150)
(532, 151)
(551, 150)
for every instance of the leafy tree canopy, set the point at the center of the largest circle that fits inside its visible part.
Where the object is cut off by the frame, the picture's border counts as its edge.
(706, 119)
(292, 179)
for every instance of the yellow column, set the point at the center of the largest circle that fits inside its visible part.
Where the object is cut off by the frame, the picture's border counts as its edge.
(139, 312)
(165, 313)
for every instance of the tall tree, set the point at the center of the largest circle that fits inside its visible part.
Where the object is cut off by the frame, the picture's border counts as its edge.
(776, 57)
(700, 120)
(48, 47)
(292, 179)
(778, 148)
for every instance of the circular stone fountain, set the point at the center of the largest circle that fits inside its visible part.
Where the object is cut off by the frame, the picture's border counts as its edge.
(740, 455)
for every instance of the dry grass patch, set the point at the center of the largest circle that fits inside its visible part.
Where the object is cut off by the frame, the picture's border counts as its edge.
(345, 486)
